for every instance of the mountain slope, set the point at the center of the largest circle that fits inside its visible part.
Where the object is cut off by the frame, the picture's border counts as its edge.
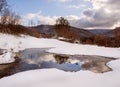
(50, 29)
(106, 32)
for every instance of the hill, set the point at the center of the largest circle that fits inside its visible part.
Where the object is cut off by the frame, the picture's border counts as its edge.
(50, 30)
(102, 37)
(106, 32)
(18, 30)
(109, 38)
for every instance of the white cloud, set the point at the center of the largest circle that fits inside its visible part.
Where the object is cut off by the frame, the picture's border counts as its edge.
(76, 6)
(31, 16)
(105, 13)
(41, 19)
(38, 18)
(102, 14)
(63, 1)
(72, 17)
(46, 20)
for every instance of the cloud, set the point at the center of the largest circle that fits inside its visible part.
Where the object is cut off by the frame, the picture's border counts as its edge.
(102, 14)
(63, 1)
(38, 18)
(31, 16)
(46, 20)
(41, 19)
(76, 6)
(107, 11)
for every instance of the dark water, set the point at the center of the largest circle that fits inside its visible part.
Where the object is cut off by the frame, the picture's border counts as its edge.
(31, 59)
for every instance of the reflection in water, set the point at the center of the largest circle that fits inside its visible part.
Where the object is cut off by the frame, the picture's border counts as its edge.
(49, 60)
(30, 59)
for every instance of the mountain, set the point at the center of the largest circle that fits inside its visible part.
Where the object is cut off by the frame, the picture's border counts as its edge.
(50, 29)
(45, 29)
(106, 32)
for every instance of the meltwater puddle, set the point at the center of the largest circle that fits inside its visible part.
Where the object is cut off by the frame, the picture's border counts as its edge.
(41, 59)
(30, 59)
(35, 58)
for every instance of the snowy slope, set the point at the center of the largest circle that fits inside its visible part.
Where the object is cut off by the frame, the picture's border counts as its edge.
(24, 42)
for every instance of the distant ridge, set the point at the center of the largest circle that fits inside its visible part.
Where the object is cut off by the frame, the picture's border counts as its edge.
(50, 29)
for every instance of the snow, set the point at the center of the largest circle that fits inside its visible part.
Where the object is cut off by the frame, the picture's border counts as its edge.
(86, 50)
(7, 57)
(54, 77)
(115, 65)
(57, 78)
(20, 43)
(24, 42)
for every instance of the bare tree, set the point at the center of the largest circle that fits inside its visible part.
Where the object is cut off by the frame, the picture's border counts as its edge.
(4, 16)
(14, 18)
(62, 26)
(10, 17)
(7, 16)
(3, 4)
(62, 22)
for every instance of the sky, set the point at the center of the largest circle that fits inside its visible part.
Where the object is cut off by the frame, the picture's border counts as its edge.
(95, 14)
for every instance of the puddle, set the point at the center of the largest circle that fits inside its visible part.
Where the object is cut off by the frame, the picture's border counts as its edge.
(94, 63)
(42, 59)
(31, 59)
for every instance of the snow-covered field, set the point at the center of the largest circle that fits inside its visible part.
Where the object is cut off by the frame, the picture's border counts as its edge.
(54, 77)
(57, 78)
